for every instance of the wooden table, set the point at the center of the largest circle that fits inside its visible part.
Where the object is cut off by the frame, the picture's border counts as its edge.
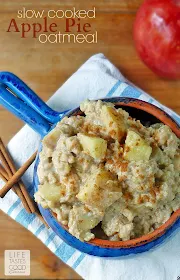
(45, 67)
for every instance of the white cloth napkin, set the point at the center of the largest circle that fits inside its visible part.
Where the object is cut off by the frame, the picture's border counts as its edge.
(97, 78)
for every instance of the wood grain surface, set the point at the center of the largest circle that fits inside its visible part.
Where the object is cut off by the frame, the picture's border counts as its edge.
(45, 67)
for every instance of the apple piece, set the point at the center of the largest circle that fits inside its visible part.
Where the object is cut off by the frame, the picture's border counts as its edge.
(51, 192)
(100, 191)
(114, 122)
(176, 162)
(52, 137)
(81, 221)
(94, 146)
(136, 148)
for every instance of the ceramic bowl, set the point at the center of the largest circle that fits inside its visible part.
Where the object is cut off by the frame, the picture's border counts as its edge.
(26, 105)
(147, 113)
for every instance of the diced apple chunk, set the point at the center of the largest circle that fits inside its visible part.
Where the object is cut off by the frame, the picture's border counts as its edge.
(136, 148)
(94, 146)
(51, 192)
(114, 122)
(100, 191)
(158, 155)
(176, 162)
(52, 137)
(81, 221)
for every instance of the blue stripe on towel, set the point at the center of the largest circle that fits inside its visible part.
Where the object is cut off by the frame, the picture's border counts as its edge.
(64, 252)
(130, 92)
(15, 204)
(78, 261)
(114, 88)
(50, 238)
(150, 100)
(38, 231)
(18, 201)
(24, 219)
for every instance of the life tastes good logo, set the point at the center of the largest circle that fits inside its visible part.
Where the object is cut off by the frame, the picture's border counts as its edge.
(55, 26)
(17, 262)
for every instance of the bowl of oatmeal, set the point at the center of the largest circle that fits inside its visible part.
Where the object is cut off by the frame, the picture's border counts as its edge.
(108, 177)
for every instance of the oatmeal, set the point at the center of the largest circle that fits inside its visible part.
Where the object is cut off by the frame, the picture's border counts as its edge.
(106, 168)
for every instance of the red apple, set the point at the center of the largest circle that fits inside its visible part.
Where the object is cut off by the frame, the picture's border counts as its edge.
(157, 36)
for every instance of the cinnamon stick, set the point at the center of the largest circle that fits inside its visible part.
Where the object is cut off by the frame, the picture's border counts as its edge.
(5, 164)
(15, 178)
(6, 172)
(3, 172)
(20, 195)
(9, 171)
(19, 188)
(22, 187)
(2, 177)
(37, 213)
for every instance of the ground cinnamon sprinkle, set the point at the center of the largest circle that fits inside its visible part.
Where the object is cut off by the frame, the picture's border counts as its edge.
(73, 145)
(153, 201)
(146, 198)
(81, 160)
(123, 166)
(128, 195)
(112, 133)
(122, 178)
(157, 190)
(65, 180)
(152, 192)
(134, 125)
(140, 200)
(109, 161)
(97, 129)
(63, 193)
(121, 136)
(127, 149)
(137, 143)
(101, 165)
(110, 124)
(154, 145)
(86, 208)
(89, 128)
(84, 128)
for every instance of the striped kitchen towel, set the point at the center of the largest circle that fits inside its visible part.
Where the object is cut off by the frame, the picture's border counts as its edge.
(96, 78)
